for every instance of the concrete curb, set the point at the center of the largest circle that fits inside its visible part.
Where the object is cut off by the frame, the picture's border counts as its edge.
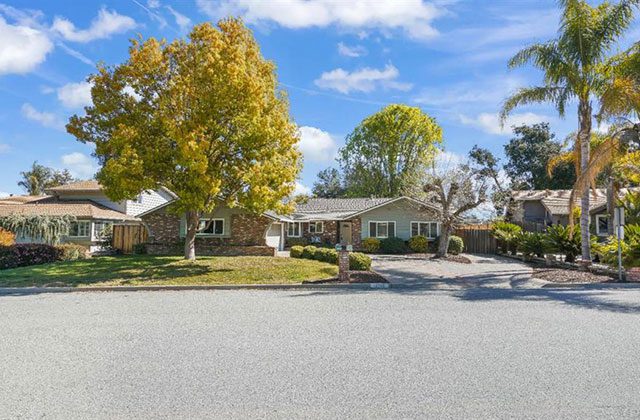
(35, 290)
(592, 286)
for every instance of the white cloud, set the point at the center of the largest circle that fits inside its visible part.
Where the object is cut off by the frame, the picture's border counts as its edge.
(316, 145)
(351, 51)
(79, 164)
(75, 95)
(490, 123)
(363, 80)
(412, 17)
(181, 20)
(4, 148)
(301, 189)
(490, 91)
(22, 48)
(153, 4)
(104, 25)
(47, 119)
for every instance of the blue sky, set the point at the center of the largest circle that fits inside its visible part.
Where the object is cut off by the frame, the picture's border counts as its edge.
(339, 61)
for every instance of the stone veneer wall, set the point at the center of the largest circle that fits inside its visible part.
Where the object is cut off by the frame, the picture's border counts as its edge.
(248, 236)
(331, 234)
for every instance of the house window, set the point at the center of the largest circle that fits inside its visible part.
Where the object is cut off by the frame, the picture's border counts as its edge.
(211, 227)
(101, 229)
(382, 229)
(316, 227)
(602, 224)
(293, 229)
(428, 229)
(80, 229)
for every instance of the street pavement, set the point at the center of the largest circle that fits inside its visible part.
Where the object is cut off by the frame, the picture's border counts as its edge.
(394, 353)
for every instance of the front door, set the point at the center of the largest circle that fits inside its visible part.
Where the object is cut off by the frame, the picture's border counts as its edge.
(345, 233)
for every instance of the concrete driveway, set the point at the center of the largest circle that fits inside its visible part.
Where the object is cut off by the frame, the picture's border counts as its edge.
(484, 271)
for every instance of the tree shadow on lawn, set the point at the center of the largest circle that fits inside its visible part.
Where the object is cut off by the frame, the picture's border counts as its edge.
(103, 269)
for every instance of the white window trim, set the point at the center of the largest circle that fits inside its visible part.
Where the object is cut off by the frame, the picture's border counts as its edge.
(377, 230)
(94, 232)
(212, 219)
(598, 217)
(299, 230)
(89, 229)
(425, 221)
(316, 227)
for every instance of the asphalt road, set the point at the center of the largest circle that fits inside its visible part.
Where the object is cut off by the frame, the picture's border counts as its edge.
(326, 354)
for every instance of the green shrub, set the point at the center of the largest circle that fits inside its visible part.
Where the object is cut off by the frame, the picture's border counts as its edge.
(296, 251)
(359, 261)
(327, 255)
(393, 245)
(419, 243)
(507, 235)
(531, 243)
(309, 252)
(558, 240)
(70, 252)
(371, 245)
(456, 245)
(630, 247)
(297, 241)
(20, 255)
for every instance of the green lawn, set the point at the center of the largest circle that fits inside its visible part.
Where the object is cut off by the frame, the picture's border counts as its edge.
(152, 270)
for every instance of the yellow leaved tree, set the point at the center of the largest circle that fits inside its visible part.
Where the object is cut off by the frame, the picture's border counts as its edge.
(201, 116)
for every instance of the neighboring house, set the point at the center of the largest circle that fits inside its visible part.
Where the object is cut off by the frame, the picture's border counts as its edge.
(318, 220)
(95, 213)
(537, 209)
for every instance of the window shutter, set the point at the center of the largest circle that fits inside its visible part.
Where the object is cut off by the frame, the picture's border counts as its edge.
(373, 232)
(391, 232)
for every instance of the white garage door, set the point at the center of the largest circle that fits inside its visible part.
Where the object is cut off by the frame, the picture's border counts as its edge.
(274, 236)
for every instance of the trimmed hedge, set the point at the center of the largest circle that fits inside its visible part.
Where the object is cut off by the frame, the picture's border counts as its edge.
(456, 245)
(297, 241)
(371, 245)
(393, 245)
(419, 243)
(296, 251)
(21, 255)
(309, 252)
(359, 261)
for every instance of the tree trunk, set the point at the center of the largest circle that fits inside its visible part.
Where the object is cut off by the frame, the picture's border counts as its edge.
(443, 245)
(584, 117)
(611, 203)
(193, 220)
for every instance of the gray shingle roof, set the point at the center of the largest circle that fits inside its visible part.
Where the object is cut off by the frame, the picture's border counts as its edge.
(333, 205)
(557, 201)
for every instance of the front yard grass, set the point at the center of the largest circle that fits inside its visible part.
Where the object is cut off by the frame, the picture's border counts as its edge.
(142, 270)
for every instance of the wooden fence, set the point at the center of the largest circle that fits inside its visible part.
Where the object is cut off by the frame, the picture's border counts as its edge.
(125, 237)
(477, 239)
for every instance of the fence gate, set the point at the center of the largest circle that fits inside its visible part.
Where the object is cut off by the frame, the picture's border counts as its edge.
(126, 236)
(477, 239)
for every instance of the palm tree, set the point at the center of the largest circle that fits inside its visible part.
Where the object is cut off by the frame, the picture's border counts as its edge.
(574, 66)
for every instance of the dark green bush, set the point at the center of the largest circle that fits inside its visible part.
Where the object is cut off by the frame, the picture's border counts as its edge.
(507, 235)
(359, 261)
(309, 252)
(20, 255)
(558, 240)
(140, 249)
(419, 243)
(296, 251)
(456, 245)
(393, 245)
(326, 255)
(70, 252)
(371, 245)
(531, 243)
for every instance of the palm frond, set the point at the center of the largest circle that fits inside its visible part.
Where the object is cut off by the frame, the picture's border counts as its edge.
(554, 162)
(524, 96)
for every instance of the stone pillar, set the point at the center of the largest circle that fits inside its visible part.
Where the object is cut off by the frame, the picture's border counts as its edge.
(343, 265)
